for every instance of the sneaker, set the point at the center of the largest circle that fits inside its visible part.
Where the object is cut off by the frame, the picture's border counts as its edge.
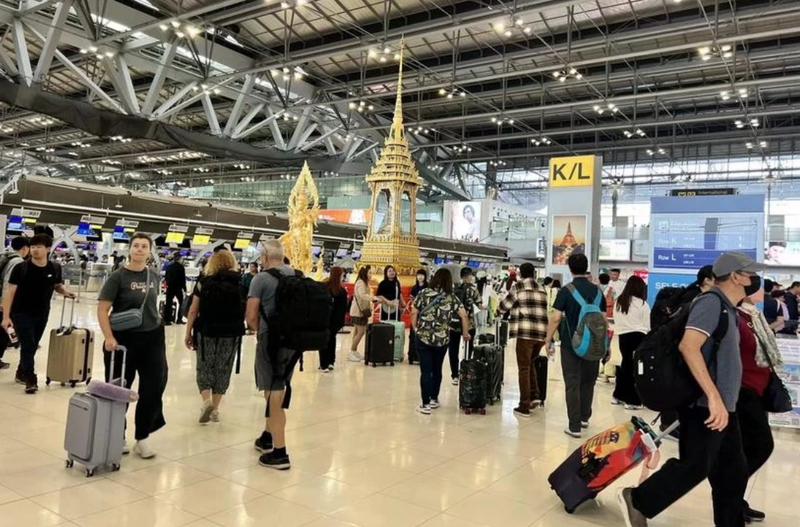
(324, 370)
(576, 435)
(584, 424)
(273, 460)
(633, 407)
(330, 367)
(424, 409)
(20, 377)
(31, 384)
(632, 517)
(264, 443)
(616, 402)
(215, 416)
(752, 515)
(355, 356)
(536, 403)
(205, 411)
(143, 450)
(4, 365)
(522, 412)
(126, 447)
(434, 404)
(455, 381)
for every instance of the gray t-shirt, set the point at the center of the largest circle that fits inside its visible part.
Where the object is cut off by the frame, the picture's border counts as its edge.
(263, 287)
(727, 371)
(126, 290)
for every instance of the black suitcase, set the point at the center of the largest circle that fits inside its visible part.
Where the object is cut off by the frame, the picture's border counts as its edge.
(380, 344)
(492, 355)
(485, 338)
(413, 356)
(540, 363)
(473, 379)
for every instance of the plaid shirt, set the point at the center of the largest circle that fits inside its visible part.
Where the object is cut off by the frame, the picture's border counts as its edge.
(527, 303)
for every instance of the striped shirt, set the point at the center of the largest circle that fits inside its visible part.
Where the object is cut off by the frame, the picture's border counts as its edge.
(527, 303)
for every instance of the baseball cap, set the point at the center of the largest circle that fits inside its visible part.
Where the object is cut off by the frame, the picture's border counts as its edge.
(732, 262)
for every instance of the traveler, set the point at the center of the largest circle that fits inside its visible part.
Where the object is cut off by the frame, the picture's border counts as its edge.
(758, 349)
(710, 441)
(214, 329)
(175, 276)
(631, 324)
(134, 288)
(274, 367)
(579, 374)
(615, 283)
(527, 304)
(360, 311)
(791, 302)
(26, 304)
(469, 297)
(20, 246)
(431, 314)
(247, 278)
(390, 294)
(555, 286)
(422, 283)
(327, 356)
(782, 324)
(772, 308)
(486, 293)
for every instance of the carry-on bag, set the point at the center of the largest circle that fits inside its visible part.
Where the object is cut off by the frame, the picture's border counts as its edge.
(605, 458)
(95, 430)
(473, 384)
(70, 352)
(399, 336)
(379, 348)
(493, 356)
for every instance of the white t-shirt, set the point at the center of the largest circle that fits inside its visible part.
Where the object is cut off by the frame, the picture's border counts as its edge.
(637, 319)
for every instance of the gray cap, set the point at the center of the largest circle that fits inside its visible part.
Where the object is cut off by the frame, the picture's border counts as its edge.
(732, 262)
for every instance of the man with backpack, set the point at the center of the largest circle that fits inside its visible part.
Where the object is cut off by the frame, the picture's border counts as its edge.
(467, 293)
(579, 316)
(704, 388)
(20, 249)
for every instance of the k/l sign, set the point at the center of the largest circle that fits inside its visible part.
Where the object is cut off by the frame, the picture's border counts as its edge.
(577, 171)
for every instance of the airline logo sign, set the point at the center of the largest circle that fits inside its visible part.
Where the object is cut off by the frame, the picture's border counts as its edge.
(577, 171)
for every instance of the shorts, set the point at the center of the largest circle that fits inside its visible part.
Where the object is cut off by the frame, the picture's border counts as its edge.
(359, 321)
(274, 377)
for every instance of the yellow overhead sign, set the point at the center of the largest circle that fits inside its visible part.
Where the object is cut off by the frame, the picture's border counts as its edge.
(576, 171)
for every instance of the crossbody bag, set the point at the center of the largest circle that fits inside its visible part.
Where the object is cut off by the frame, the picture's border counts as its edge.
(131, 318)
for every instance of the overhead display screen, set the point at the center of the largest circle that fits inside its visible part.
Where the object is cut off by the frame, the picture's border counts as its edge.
(175, 237)
(241, 243)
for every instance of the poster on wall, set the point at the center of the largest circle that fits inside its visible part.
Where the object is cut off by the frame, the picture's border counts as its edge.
(615, 250)
(568, 237)
(790, 375)
(786, 254)
(465, 221)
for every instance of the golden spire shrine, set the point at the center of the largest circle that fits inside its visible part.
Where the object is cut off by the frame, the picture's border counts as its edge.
(394, 182)
(303, 211)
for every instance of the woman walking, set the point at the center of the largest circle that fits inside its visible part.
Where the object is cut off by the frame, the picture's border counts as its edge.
(390, 295)
(632, 324)
(127, 312)
(327, 356)
(430, 317)
(360, 311)
(217, 318)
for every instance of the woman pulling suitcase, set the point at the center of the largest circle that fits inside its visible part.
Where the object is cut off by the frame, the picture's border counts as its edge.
(128, 314)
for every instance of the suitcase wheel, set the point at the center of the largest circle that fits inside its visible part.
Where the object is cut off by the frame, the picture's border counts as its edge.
(69, 463)
(89, 472)
(72, 384)
(62, 384)
(468, 411)
(374, 364)
(47, 382)
(88, 380)
(115, 467)
(482, 411)
(392, 364)
(569, 511)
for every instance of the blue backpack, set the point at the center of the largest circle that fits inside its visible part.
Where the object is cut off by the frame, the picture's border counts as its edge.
(590, 339)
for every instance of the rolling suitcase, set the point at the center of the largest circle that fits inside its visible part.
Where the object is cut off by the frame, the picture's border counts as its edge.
(492, 355)
(95, 431)
(399, 336)
(413, 356)
(540, 364)
(71, 351)
(603, 459)
(380, 344)
(473, 379)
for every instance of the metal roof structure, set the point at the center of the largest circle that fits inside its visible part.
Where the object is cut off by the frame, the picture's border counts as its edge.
(664, 90)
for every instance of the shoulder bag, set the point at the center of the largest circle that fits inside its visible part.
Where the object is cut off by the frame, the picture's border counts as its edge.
(131, 318)
(776, 399)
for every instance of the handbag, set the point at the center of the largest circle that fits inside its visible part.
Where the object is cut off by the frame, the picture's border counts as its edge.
(777, 398)
(130, 318)
(365, 312)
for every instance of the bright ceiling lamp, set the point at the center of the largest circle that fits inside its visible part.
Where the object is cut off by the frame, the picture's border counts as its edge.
(706, 53)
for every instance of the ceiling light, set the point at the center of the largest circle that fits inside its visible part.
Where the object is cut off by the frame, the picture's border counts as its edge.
(763, 144)
(661, 151)
(739, 124)
(650, 152)
(175, 24)
(748, 145)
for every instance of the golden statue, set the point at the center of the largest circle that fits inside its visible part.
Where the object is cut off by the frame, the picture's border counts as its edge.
(394, 181)
(303, 212)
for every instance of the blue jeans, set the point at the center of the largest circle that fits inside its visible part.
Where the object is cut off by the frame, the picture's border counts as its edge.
(29, 332)
(431, 360)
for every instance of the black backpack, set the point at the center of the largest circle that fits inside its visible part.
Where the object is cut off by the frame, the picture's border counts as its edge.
(221, 306)
(661, 376)
(302, 314)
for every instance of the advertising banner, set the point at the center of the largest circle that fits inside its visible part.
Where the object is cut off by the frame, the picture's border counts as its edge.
(351, 216)
(790, 374)
(465, 221)
(615, 250)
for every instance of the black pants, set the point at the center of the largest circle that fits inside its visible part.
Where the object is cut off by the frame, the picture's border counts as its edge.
(704, 453)
(172, 294)
(579, 379)
(624, 390)
(431, 360)
(29, 332)
(757, 441)
(327, 356)
(454, 347)
(147, 356)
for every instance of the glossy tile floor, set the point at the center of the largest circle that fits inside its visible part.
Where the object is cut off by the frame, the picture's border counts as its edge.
(360, 456)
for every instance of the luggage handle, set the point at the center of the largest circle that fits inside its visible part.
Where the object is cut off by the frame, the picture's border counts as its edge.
(497, 324)
(671, 428)
(65, 330)
(124, 351)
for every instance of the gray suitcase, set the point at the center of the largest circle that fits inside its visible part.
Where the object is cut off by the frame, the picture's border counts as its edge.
(96, 429)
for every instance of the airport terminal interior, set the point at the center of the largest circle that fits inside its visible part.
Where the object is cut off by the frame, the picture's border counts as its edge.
(478, 141)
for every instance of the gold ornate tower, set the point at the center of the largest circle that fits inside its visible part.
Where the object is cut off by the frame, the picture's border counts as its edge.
(303, 211)
(394, 182)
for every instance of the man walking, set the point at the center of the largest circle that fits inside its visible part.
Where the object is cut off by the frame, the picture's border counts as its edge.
(580, 374)
(274, 367)
(527, 304)
(710, 441)
(791, 304)
(175, 277)
(26, 304)
(20, 248)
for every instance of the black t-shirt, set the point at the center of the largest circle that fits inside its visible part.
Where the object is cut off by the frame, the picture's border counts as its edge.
(35, 286)
(572, 310)
(771, 309)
